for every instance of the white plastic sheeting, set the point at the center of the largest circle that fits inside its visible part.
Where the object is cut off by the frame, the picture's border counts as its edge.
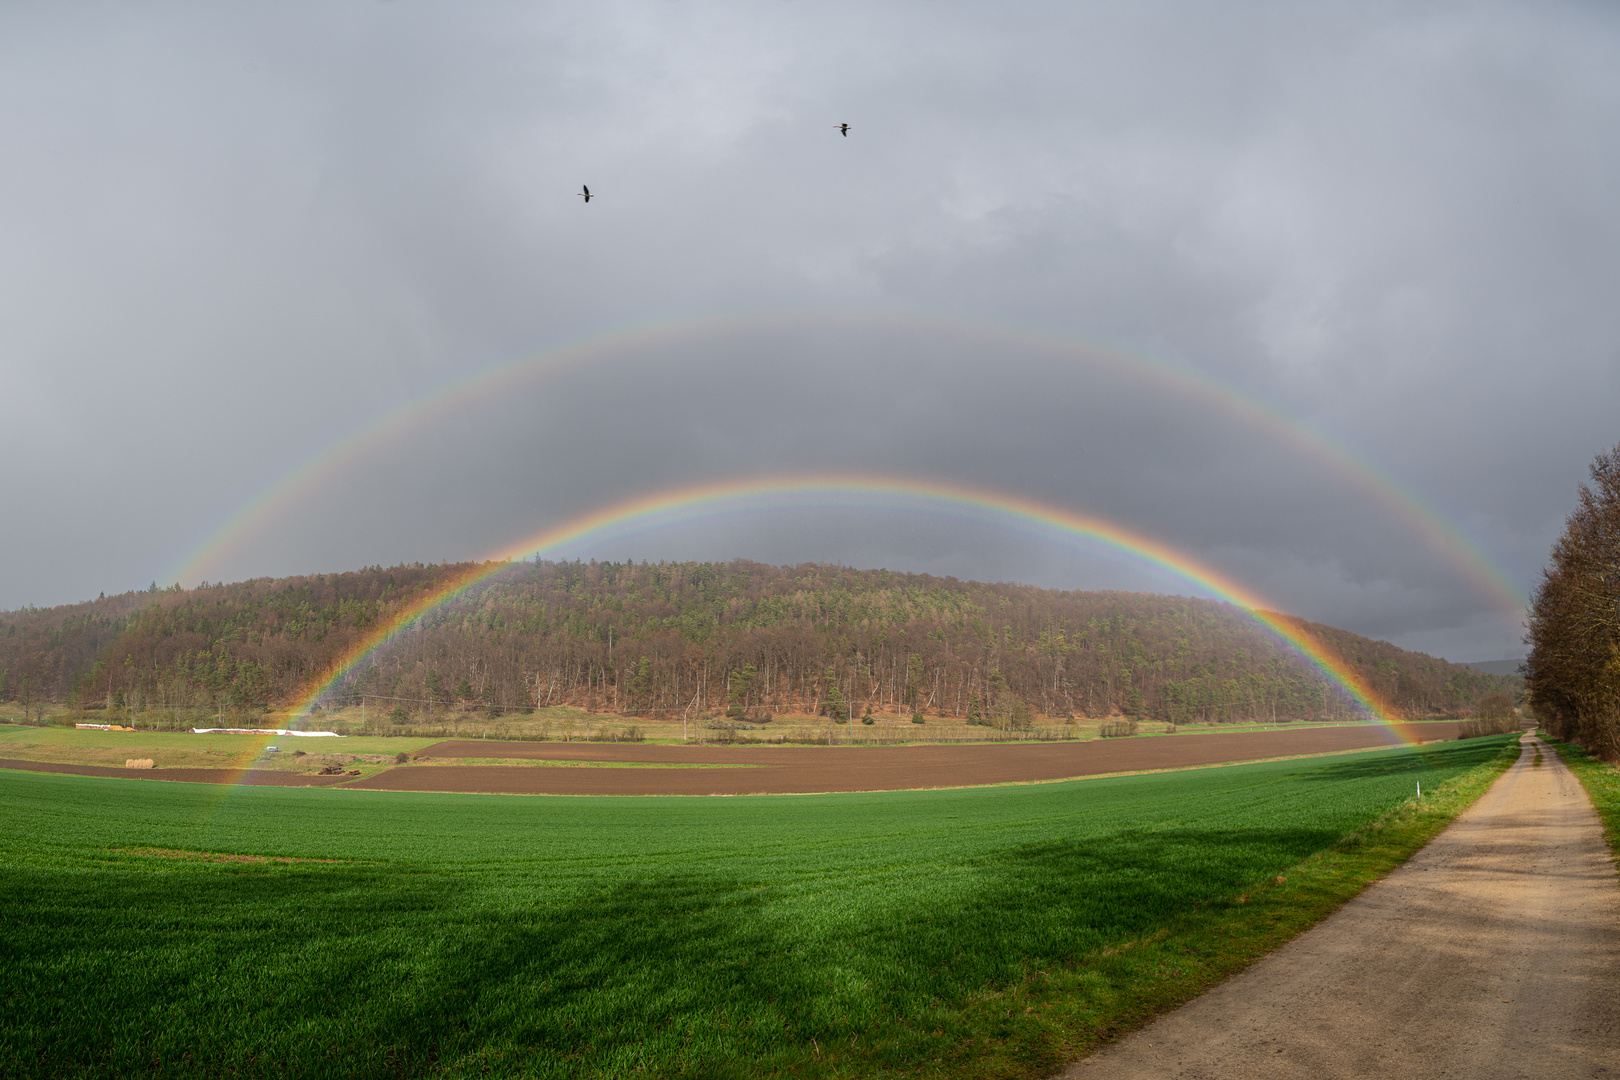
(266, 731)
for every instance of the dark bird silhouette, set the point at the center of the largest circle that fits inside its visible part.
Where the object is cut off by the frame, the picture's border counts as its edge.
(586, 193)
(843, 129)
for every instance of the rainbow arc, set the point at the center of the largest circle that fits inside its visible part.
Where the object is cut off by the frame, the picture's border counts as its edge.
(663, 509)
(346, 452)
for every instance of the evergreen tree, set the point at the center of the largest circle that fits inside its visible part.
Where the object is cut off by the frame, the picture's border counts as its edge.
(742, 685)
(833, 704)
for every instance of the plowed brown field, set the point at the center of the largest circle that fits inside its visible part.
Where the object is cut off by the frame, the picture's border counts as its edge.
(806, 769)
(782, 770)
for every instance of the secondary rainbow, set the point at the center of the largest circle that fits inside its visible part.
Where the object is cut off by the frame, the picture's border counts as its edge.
(347, 450)
(663, 508)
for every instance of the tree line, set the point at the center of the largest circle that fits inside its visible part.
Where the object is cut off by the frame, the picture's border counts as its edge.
(671, 639)
(1573, 670)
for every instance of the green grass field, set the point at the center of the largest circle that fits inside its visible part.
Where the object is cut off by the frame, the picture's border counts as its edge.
(977, 932)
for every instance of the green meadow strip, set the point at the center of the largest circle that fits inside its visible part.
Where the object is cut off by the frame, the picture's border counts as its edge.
(1602, 783)
(194, 931)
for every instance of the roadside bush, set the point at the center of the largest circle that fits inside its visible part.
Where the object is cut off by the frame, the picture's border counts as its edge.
(1502, 725)
(633, 733)
(1117, 729)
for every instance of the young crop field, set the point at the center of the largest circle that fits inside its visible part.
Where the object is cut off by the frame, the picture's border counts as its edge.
(195, 930)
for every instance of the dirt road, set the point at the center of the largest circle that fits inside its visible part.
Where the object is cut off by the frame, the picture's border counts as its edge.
(1495, 952)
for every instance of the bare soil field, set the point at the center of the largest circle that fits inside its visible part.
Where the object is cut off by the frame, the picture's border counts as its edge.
(1494, 952)
(804, 770)
(654, 769)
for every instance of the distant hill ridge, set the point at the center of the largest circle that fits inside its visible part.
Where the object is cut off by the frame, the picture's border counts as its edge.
(1496, 667)
(669, 638)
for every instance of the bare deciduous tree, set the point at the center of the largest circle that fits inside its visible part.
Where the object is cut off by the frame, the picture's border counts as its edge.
(1573, 671)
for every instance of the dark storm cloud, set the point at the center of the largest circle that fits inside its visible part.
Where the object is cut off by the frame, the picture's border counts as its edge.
(1072, 429)
(232, 234)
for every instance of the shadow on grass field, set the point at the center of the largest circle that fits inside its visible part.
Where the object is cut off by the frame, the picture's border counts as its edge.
(983, 932)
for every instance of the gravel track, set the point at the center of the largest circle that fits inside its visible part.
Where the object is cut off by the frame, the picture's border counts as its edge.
(1494, 952)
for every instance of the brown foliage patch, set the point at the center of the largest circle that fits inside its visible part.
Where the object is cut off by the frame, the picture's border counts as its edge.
(216, 856)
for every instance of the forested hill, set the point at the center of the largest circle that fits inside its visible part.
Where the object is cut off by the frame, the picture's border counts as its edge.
(668, 638)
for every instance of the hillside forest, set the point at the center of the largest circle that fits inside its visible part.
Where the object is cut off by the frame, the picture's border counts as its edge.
(679, 639)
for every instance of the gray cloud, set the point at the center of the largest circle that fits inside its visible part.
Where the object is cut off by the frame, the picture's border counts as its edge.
(233, 234)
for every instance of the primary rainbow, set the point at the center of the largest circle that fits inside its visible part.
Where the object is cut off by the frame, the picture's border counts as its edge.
(664, 508)
(1399, 503)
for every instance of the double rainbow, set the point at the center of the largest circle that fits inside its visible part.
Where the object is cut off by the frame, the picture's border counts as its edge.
(672, 507)
(346, 452)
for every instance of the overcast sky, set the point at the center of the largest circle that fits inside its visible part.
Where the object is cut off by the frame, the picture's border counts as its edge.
(229, 234)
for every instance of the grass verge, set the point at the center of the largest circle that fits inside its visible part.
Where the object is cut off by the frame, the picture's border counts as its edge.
(1602, 783)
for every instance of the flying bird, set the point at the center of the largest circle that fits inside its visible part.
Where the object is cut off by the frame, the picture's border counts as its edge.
(843, 129)
(586, 193)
